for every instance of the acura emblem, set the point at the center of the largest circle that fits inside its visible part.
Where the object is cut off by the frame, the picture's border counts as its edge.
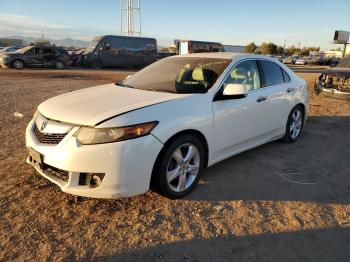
(43, 126)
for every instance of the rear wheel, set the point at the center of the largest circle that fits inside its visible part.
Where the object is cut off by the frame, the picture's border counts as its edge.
(59, 65)
(179, 167)
(18, 64)
(295, 125)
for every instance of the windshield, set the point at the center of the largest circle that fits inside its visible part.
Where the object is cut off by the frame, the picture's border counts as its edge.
(92, 45)
(344, 64)
(179, 75)
(23, 50)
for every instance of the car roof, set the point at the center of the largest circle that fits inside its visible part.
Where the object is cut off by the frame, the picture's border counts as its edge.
(224, 55)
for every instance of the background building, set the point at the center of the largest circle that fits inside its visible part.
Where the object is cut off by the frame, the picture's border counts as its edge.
(11, 42)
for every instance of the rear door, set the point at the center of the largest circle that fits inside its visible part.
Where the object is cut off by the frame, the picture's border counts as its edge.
(280, 91)
(33, 57)
(150, 52)
(48, 56)
(241, 122)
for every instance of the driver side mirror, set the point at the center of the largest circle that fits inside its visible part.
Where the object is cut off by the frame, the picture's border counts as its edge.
(235, 90)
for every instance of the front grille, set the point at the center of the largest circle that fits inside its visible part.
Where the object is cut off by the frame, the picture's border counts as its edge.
(55, 172)
(52, 139)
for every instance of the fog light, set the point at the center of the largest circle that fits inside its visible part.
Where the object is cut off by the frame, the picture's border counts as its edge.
(91, 179)
(95, 181)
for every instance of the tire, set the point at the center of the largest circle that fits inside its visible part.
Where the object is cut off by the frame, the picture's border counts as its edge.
(18, 64)
(96, 64)
(295, 125)
(59, 65)
(172, 177)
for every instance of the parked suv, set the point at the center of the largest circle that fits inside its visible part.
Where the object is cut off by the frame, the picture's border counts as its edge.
(36, 56)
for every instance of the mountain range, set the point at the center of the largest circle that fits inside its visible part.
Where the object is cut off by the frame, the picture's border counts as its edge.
(66, 42)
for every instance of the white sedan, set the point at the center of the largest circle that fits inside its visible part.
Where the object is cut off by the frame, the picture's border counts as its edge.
(162, 126)
(302, 61)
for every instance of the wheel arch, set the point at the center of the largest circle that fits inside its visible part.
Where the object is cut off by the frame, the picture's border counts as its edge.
(99, 60)
(192, 132)
(302, 105)
(17, 59)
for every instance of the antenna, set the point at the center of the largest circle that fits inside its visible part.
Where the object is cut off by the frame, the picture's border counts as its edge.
(130, 17)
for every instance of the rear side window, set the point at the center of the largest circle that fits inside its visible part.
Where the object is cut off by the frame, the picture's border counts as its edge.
(285, 76)
(272, 73)
(47, 51)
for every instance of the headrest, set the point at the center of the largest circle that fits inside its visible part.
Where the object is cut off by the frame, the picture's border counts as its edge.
(198, 74)
(238, 73)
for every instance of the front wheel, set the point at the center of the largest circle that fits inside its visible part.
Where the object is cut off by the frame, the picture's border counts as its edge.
(18, 64)
(295, 125)
(179, 167)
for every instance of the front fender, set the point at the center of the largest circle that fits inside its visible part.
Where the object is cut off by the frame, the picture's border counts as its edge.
(193, 112)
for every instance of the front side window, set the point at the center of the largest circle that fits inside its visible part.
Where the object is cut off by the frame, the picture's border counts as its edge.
(33, 51)
(246, 73)
(272, 73)
(185, 75)
(285, 76)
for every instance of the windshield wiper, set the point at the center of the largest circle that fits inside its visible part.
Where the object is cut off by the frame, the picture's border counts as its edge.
(159, 90)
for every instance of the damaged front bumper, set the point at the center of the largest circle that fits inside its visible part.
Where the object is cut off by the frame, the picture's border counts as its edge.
(3, 63)
(330, 92)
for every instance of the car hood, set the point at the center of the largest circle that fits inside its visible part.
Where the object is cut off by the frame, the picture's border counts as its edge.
(338, 71)
(88, 107)
(11, 54)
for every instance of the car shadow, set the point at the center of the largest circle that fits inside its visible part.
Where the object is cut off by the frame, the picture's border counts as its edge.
(290, 246)
(316, 168)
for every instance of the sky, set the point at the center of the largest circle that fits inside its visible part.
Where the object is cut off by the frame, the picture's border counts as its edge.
(310, 22)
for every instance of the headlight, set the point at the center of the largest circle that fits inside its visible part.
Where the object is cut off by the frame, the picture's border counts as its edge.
(93, 136)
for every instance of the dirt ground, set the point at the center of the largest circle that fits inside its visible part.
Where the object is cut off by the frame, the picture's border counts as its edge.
(278, 202)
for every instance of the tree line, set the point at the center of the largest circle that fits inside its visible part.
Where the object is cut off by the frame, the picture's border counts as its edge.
(273, 49)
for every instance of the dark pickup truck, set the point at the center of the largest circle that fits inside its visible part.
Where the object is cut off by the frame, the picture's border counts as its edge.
(36, 56)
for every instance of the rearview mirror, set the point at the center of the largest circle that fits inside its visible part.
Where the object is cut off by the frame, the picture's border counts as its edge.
(235, 90)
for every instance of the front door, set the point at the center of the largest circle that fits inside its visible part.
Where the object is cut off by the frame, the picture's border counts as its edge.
(33, 57)
(241, 122)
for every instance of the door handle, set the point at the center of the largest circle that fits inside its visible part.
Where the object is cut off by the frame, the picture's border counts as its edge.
(289, 90)
(261, 99)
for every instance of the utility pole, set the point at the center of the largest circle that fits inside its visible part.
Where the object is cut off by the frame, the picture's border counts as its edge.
(344, 51)
(130, 17)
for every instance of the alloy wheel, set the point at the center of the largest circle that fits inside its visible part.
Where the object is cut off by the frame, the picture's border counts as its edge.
(296, 123)
(59, 65)
(18, 64)
(183, 167)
